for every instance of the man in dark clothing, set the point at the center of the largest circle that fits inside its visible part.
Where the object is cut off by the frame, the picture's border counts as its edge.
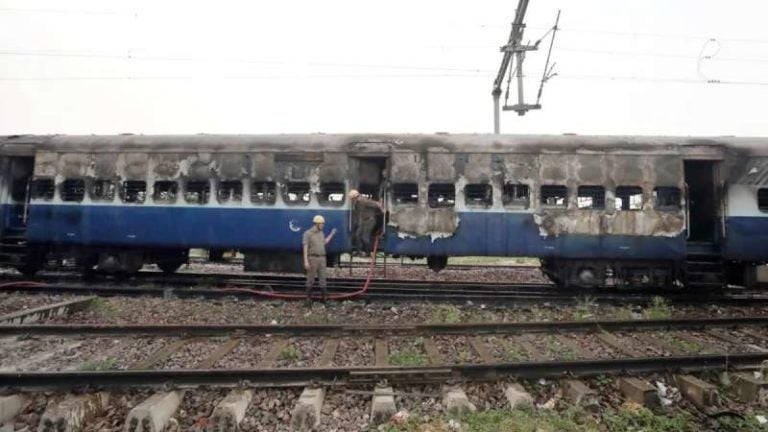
(313, 243)
(366, 211)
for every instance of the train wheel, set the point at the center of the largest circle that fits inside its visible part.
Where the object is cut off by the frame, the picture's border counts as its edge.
(169, 267)
(437, 262)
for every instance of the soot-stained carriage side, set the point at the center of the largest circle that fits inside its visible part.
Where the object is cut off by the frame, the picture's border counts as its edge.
(596, 210)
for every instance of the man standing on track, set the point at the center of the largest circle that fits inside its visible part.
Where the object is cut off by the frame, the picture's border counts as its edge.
(314, 242)
(367, 211)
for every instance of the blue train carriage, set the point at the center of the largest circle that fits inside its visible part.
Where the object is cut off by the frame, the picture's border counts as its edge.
(117, 203)
(639, 211)
(596, 210)
(745, 214)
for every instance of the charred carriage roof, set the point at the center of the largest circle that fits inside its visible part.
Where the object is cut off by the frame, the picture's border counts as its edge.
(384, 143)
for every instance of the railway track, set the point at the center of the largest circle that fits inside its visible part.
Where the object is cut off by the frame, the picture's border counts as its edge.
(382, 290)
(304, 354)
(372, 362)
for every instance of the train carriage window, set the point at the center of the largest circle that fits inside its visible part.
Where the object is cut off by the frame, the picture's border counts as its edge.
(134, 191)
(331, 194)
(263, 192)
(297, 193)
(629, 198)
(441, 195)
(515, 195)
(554, 195)
(405, 193)
(73, 190)
(43, 189)
(19, 189)
(478, 195)
(103, 190)
(197, 192)
(165, 191)
(762, 199)
(666, 198)
(590, 198)
(230, 191)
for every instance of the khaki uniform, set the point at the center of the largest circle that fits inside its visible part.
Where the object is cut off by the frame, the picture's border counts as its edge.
(315, 240)
(367, 210)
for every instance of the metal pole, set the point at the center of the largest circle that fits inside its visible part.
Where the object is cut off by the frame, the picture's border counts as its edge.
(520, 56)
(496, 121)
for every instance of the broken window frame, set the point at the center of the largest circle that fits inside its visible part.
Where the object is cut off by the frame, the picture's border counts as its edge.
(590, 197)
(197, 192)
(441, 195)
(555, 196)
(628, 193)
(332, 194)
(230, 191)
(133, 191)
(671, 196)
(168, 187)
(43, 189)
(72, 190)
(103, 190)
(762, 200)
(301, 191)
(478, 195)
(263, 192)
(516, 195)
(405, 194)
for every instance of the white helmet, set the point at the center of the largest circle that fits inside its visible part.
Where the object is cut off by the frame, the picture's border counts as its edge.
(318, 219)
(353, 193)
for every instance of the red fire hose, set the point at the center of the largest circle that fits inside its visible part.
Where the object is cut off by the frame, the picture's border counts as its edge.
(275, 295)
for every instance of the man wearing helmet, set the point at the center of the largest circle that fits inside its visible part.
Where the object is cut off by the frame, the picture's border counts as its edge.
(313, 243)
(367, 211)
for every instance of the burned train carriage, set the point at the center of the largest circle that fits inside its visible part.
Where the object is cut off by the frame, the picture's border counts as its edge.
(641, 211)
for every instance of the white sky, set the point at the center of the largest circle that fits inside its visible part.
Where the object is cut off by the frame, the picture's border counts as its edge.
(297, 66)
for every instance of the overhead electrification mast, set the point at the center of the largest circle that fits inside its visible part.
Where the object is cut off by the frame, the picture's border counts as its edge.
(515, 49)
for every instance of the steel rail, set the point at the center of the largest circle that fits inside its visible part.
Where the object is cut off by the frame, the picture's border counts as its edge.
(291, 377)
(549, 295)
(384, 329)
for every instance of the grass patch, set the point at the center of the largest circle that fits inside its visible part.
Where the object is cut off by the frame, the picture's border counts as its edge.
(109, 363)
(289, 353)
(409, 357)
(642, 419)
(585, 309)
(570, 420)
(682, 345)
(510, 352)
(103, 306)
(658, 309)
(445, 314)
(623, 314)
(562, 352)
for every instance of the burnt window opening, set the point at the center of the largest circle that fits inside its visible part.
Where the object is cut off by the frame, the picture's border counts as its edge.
(134, 191)
(103, 190)
(590, 198)
(554, 195)
(369, 190)
(73, 190)
(515, 195)
(441, 195)
(629, 198)
(405, 193)
(666, 198)
(230, 191)
(478, 195)
(263, 192)
(19, 189)
(165, 191)
(297, 193)
(197, 191)
(331, 194)
(762, 199)
(43, 189)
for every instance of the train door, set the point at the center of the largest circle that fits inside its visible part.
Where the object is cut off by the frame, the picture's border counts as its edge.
(370, 179)
(701, 202)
